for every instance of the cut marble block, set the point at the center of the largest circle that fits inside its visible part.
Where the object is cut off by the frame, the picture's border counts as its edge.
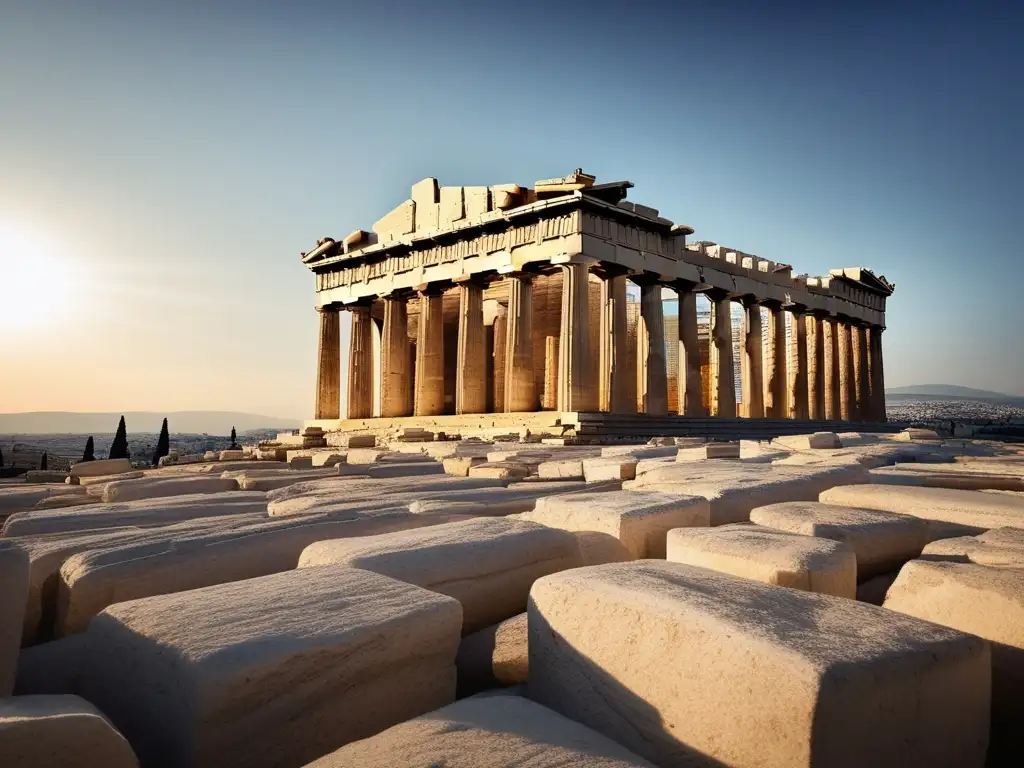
(145, 512)
(686, 666)
(50, 668)
(639, 519)
(963, 476)
(271, 671)
(19, 498)
(600, 548)
(390, 469)
(882, 541)
(639, 451)
(735, 488)
(151, 488)
(494, 502)
(1002, 547)
(486, 732)
(459, 466)
(503, 470)
(949, 512)
(272, 479)
(58, 732)
(917, 434)
(92, 580)
(14, 577)
(987, 602)
(492, 657)
(488, 564)
(873, 590)
(765, 554)
(101, 467)
(596, 470)
(816, 441)
(566, 469)
(709, 451)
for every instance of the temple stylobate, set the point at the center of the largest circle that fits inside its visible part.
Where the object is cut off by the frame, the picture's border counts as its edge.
(491, 307)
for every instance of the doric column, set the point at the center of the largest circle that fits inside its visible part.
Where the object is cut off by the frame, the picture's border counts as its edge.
(360, 365)
(613, 363)
(775, 363)
(690, 388)
(877, 374)
(797, 372)
(847, 402)
(575, 392)
(549, 398)
(520, 382)
(753, 360)
(328, 369)
(861, 384)
(471, 370)
(815, 366)
(652, 377)
(723, 380)
(500, 337)
(830, 336)
(394, 354)
(429, 400)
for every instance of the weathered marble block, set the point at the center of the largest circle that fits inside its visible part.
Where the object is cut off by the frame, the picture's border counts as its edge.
(101, 467)
(639, 519)
(14, 577)
(487, 564)
(19, 498)
(690, 667)
(151, 488)
(816, 441)
(391, 469)
(562, 469)
(768, 555)
(493, 657)
(597, 470)
(709, 451)
(1002, 547)
(495, 732)
(882, 541)
(58, 732)
(459, 466)
(962, 476)
(272, 671)
(949, 512)
(503, 470)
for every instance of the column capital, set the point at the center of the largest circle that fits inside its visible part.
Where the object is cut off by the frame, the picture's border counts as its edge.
(478, 279)
(402, 294)
(795, 308)
(821, 314)
(431, 289)
(609, 270)
(748, 300)
(717, 294)
(773, 304)
(681, 286)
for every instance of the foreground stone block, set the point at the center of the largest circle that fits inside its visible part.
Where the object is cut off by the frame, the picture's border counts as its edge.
(639, 519)
(51, 668)
(882, 541)
(816, 441)
(459, 466)
(948, 512)
(271, 671)
(1003, 547)
(147, 488)
(564, 469)
(20, 498)
(774, 557)
(486, 732)
(57, 732)
(598, 470)
(14, 575)
(963, 476)
(101, 467)
(492, 657)
(45, 476)
(231, 455)
(709, 451)
(989, 603)
(495, 502)
(487, 564)
(500, 470)
(690, 667)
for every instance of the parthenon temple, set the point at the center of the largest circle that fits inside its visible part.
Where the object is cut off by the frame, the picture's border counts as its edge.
(566, 304)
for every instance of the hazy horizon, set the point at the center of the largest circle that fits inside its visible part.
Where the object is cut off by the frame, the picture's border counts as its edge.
(164, 167)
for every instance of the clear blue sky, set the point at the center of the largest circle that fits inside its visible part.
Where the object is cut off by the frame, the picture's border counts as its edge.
(162, 168)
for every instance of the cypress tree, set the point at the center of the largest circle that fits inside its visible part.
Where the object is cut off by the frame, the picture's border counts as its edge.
(234, 445)
(163, 444)
(42, 461)
(1, 457)
(90, 450)
(119, 448)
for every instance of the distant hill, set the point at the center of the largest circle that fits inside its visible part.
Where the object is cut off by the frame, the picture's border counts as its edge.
(192, 422)
(934, 391)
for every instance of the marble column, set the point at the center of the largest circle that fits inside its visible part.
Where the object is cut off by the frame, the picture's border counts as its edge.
(575, 392)
(500, 337)
(652, 376)
(429, 400)
(815, 366)
(471, 370)
(690, 387)
(395, 358)
(830, 336)
(549, 398)
(847, 403)
(360, 365)
(520, 381)
(613, 364)
(328, 369)
(753, 361)
(775, 363)
(797, 371)
(877, 374)
(861, 383)
(723, 382)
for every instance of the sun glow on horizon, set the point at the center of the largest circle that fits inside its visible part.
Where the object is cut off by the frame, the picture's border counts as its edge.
(37, 279)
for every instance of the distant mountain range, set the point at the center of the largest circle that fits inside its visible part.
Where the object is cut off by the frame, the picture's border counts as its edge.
(190, 422)
(936, 391)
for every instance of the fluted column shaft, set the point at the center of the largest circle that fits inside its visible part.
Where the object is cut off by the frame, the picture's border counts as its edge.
(652, 376)
(815, 367)
(360, 365)
(520, 381)
(613, 385)
(394, 353)
(723, 380)
(471, 370)
(429, 399)
(877, 374)
(775, 364)
(861, 383)
(830, 335)
(753, 362)
(797, 372)
(847, 402)
(575, 392)
(500, 338)
(328, 369)
(690, 388)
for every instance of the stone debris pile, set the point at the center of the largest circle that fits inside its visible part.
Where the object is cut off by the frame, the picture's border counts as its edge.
(819, 600)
